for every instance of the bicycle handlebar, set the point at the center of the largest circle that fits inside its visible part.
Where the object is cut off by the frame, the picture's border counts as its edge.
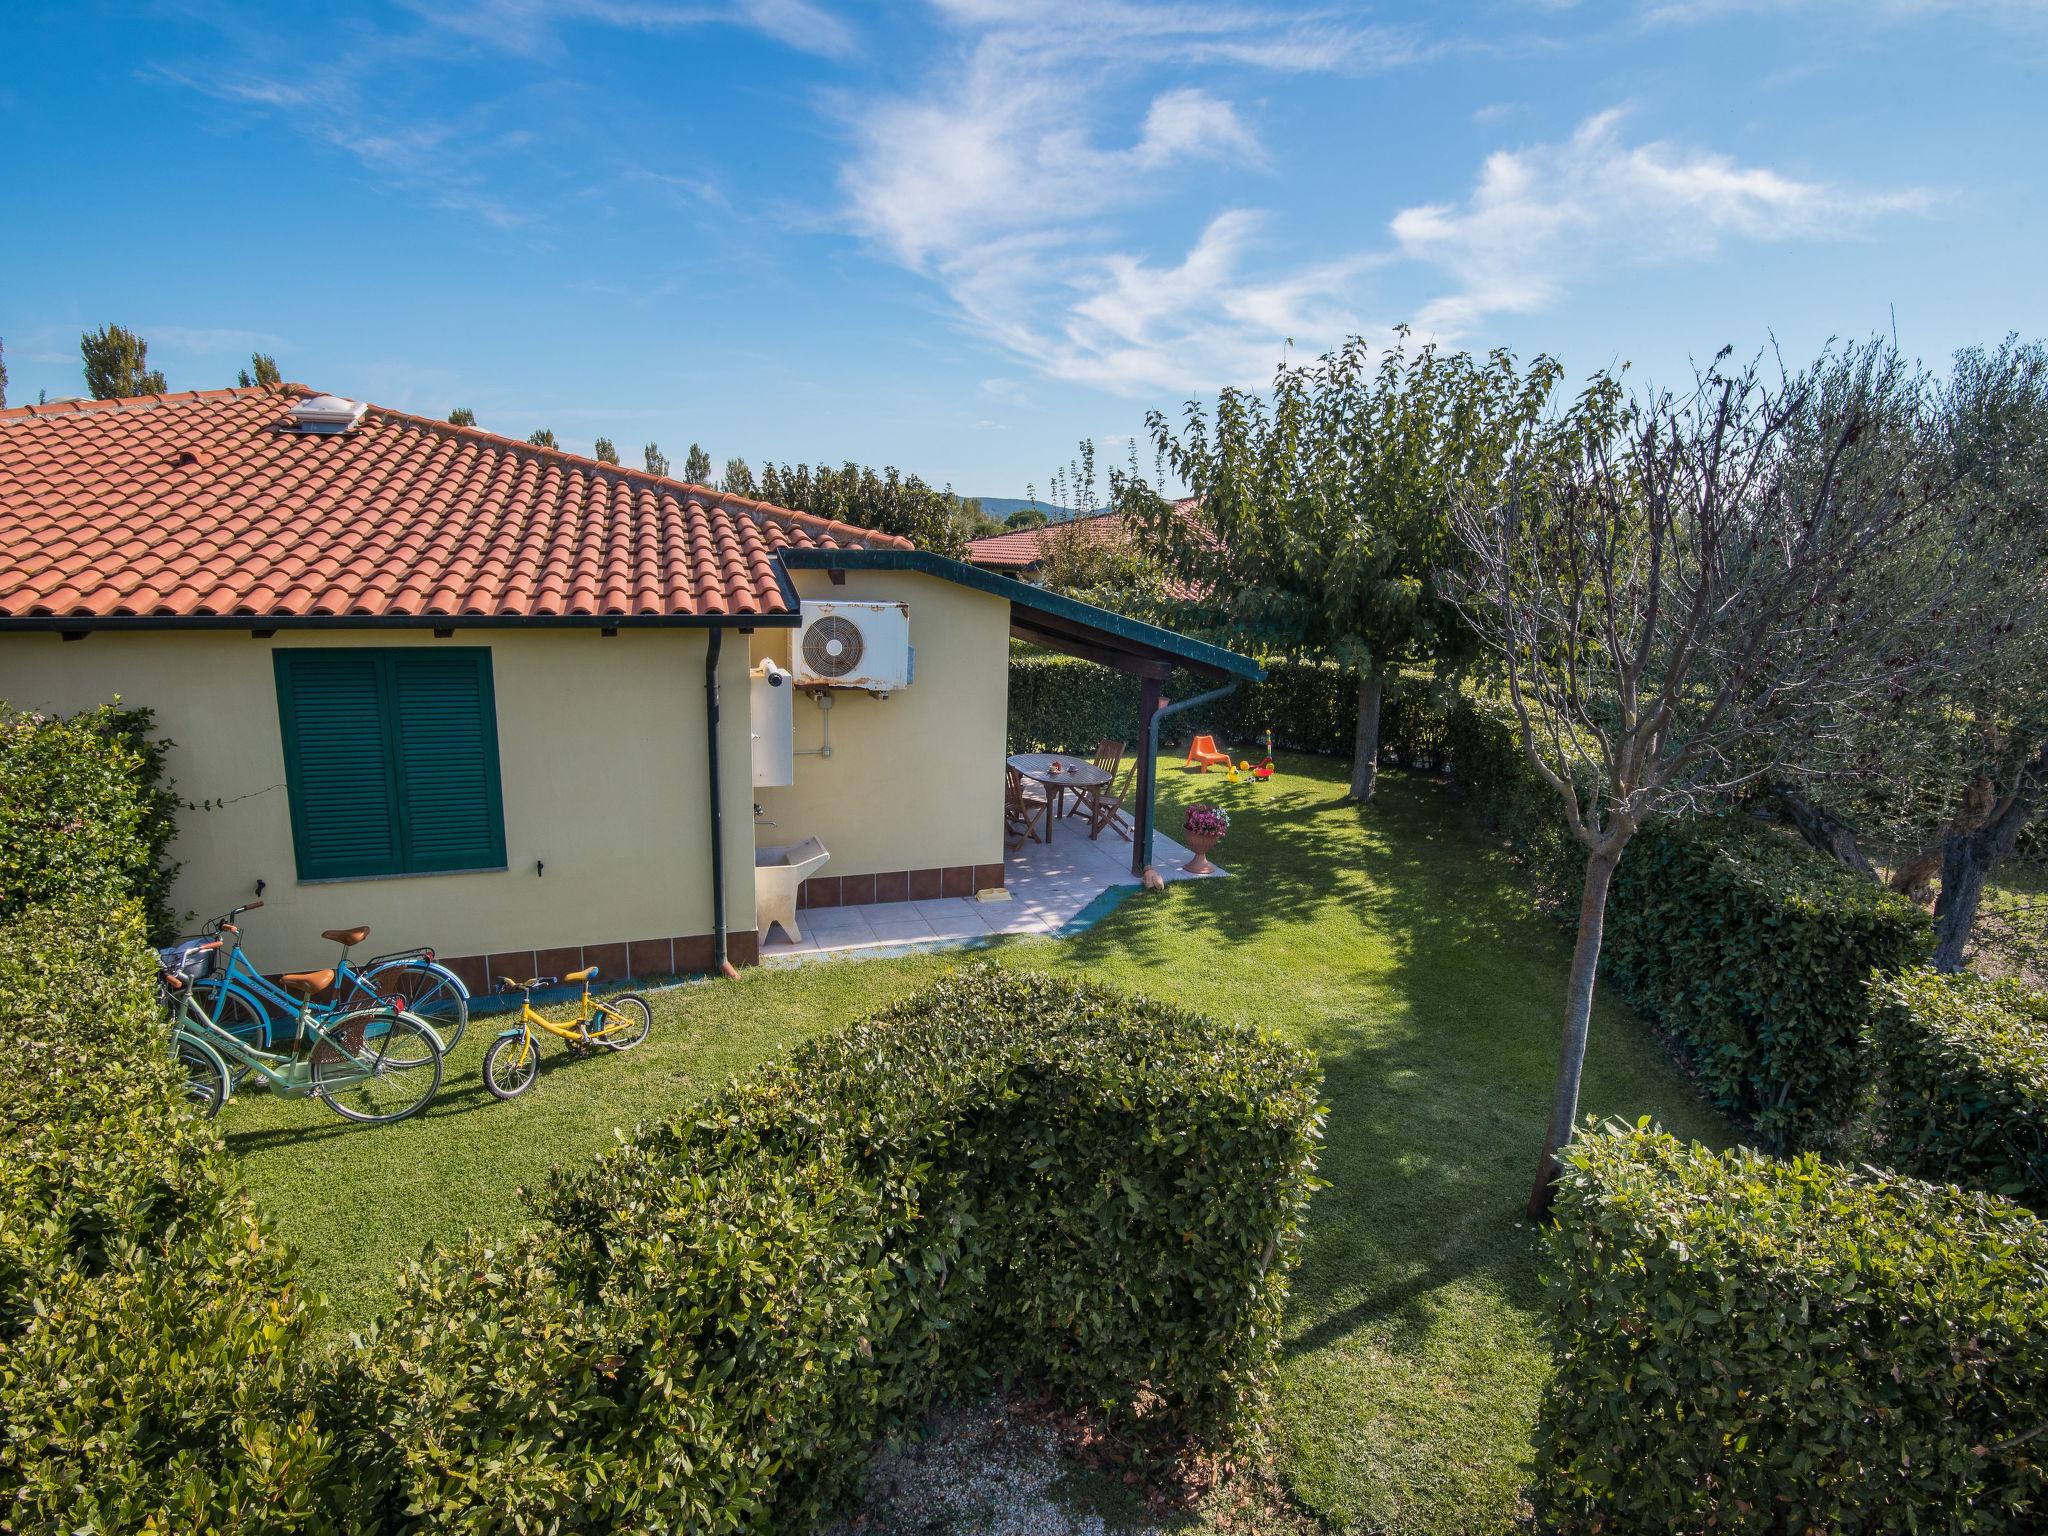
(227, 920)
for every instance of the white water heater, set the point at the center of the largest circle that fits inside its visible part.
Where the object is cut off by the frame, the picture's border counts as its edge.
(771, 697)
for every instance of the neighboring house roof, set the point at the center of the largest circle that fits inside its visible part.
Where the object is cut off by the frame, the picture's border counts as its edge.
(205, 506)
(1018, 553)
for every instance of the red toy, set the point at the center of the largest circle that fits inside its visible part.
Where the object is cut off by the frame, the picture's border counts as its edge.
(1265, 770)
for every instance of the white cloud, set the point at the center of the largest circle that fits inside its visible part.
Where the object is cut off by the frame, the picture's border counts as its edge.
(1011, 186)
(1684, 12)
(1543, 216)
(210, 340)
(531, 26)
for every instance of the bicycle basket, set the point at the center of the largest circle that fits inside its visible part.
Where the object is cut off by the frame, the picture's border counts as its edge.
(193, 959)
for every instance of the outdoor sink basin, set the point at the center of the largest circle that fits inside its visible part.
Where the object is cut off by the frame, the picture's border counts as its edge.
(778, 872)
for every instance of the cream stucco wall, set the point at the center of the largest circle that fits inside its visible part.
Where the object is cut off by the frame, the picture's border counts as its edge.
(602, 760)
(915, 781)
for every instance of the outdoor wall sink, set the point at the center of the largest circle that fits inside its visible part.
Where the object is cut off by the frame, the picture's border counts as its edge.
(778, 872)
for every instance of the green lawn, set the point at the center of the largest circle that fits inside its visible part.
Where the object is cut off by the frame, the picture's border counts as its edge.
(1395, 942)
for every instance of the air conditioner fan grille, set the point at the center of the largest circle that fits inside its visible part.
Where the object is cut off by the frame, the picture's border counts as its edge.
(833, 646)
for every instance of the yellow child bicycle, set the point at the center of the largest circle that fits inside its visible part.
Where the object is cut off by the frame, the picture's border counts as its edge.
(618, 1023)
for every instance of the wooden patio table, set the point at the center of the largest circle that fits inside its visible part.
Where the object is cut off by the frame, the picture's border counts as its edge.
(1075, 773)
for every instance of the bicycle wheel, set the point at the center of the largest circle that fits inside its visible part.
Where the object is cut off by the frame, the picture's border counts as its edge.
(376, 1066)
(418, 987)
(622, 1021)
(511, 1064)
(204, 1075)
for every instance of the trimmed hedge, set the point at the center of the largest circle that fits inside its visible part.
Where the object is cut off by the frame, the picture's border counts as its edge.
(1750, 1345)
(1755, 952)
(1965, 1080)
(1752, 950)
(1060, 704)
(84, 814)
(150, 1326)
(1007, 1175)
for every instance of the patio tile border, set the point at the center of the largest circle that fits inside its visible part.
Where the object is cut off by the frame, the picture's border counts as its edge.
(616, 960)
(898, 885)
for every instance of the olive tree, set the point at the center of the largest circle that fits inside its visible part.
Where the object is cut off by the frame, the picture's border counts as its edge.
(1685, 595)
(1950, 777)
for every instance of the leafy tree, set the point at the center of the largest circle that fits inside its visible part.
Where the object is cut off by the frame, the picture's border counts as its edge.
(739, 479)
(1324, 516)
(462, 416)
(266, 373)
(697, 466)
(117, 364)
(544, 438)
(972, 519)
(1024, 517)
(1683, 594)
(1952, 776)
(656, 460)
(1102, 560)
(604, 452)
(3, 377)
(889, 502)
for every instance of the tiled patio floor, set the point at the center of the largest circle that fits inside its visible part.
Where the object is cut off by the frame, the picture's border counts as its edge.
(1060, 888)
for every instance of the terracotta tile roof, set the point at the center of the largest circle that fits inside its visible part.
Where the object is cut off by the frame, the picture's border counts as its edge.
(205, 504)
(1019, 552)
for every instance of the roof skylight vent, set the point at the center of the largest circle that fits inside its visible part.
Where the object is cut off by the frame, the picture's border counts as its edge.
(326, 415)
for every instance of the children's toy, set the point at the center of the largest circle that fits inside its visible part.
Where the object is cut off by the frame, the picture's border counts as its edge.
(1265, 770)
(1202, 755)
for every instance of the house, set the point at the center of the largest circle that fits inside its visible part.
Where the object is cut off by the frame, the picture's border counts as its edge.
(501, 699)
(1022, 552)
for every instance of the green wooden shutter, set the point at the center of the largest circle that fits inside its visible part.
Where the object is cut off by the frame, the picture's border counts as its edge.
(391, 760)
(338, 768)
(450, 812)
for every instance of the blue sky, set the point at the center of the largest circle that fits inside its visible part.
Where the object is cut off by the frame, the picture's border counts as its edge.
(957, 236)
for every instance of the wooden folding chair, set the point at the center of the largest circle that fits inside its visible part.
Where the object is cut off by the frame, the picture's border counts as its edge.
(1027, 812)
(1108, 754)
(1106, 804)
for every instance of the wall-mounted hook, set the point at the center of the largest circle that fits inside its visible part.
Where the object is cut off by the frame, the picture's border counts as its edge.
(539, 869)
(259, 888)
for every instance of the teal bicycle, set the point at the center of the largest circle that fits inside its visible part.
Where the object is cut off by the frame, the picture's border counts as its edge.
(259, 1012)
(374, 1065)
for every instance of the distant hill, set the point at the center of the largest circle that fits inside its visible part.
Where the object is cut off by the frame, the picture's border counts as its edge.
(1000, 507)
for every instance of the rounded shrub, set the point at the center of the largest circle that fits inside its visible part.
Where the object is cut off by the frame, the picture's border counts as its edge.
(1752, 1345)
(1008, 1176)
(1964, 1080)
(151, 1328)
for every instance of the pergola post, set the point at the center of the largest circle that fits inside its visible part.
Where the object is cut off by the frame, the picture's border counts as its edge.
(1149, 701)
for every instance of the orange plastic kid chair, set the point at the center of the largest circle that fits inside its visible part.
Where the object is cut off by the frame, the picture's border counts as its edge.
(1203, 753)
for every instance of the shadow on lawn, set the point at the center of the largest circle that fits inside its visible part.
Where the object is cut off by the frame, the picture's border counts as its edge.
(1437, 1042)
(459, 1095)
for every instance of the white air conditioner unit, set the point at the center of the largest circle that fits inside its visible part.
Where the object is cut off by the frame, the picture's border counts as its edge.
(854, 645)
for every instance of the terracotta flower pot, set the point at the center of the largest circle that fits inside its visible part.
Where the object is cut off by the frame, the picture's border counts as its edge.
(1201, 842)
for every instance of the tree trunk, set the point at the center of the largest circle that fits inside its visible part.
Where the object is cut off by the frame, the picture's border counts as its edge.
(1823, 830)
(1578, 1017)
(1968, 858)
(1915, 877)
(1365, 757)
